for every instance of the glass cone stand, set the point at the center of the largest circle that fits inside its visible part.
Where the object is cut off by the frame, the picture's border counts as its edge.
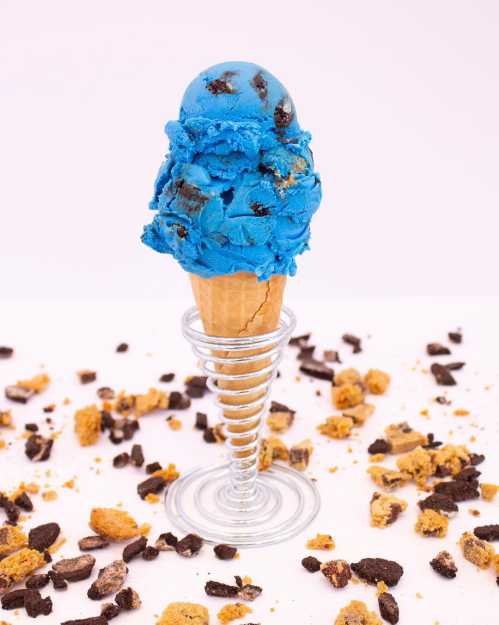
(234, 503)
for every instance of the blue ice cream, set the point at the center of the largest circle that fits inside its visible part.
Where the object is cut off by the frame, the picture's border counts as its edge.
(238, 188)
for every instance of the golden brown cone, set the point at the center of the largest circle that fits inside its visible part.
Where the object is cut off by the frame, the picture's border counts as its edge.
(235, 306)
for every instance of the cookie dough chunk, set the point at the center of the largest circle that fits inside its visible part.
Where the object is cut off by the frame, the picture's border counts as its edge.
(489, 491)
(337, 427)
(322, 542)
(347, 396)
(475, 550)
(12, 538)
(431, 523)
(402, 438)
(184, 614)
(385, 509)
(356, 613)
(359, 414)
(115, 525)
(300, 454)
(450, 460)
(232, 611)
(376, 381)
(443, 564)
(280, 418)
(387, 478)
(88, 425)
(18, 566)
(337, 572)
(417, 464)
(347, 376)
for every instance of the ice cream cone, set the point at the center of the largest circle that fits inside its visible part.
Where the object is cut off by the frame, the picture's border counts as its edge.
(239, 305)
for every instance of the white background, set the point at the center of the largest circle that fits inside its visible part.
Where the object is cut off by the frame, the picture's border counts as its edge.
(401, 98)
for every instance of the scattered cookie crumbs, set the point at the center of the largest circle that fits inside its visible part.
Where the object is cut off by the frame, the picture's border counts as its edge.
(475, 550)
(432, 524)
(311, 564)
(322, 542)
(376, 381)
(109, 580)
(88, 425)
(356, 613)
(232, 611)
(184, 614)
(115, 525)
(489, 491)
(385, 509)
(336, 427)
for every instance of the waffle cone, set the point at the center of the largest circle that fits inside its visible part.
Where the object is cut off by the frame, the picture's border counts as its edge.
(236, 306)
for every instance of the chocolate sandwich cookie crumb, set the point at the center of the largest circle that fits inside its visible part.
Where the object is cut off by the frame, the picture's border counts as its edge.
(86, 376)
(153, 484)
(209, 435)
(222, 85)
(58, 581)
(437, 349)
(137, 455)
(379, 446)
(150, 553)
(455, 337)
(217, 589)
(439, 503)
(6, 352)
(442, 375)
(443, 400)
(122, 347)
(225, 552)
(37, 582)
(121, 460)
(249, 592)
(458, 490)
(167, 377)
(24, 502)
(189, 546)
(388, 608)
(374, 570)
(487, 532)
(38, 448)
(128, 599)
(43, 536)
(337, 572)
(306, 353)
(317, 369)
(259, 84)
(469, 474)
(14, 599)
(476, 459)
(431, 442)
(36, 606)
(311, 564)
(19, 394)
(110, 611)
(89, 543)
(75, 569)
(152, 467)
(443, 564)
(109, 581)
(196, 386)
(166, 542)
(134, 549)
(177, 401)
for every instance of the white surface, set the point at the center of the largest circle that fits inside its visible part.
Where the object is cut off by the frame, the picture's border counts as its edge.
(66, 337)
(401, 98)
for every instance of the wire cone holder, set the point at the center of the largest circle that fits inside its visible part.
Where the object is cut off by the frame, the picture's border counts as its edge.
(235, 503)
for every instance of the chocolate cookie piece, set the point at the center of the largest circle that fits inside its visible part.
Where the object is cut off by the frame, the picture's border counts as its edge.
(311, 564)
(442, 375)
(38, 448)
(455, 337)
(37, 582)
(469, 474)
(249, 592)
(90, 543)
(225, 552)
(6, 352)
(284, 113)
(388, 608)
(166, 542)
(259, 84)
(454, 366)
(476, 459)
(222, 85)
(152, 467)
(375, 570)
(11, 510)
(443, 564)
(19, 394)
(201, 421)
(75, 569)
(300, 341)
(379, 446)
(189, 546)
(487, 532)
(14, 599)
(121, 460)
(439, 503)
(152, 485)
(121, 348)
(134, 549)
(128, 599)
(337, 572)
(110, 611)
(217, 589)
(354, 341)
(58, 581)
(105, 392)
(150, 553)
(137, 455)
(35, 605)
(458, 490)
(166, 377)
(86, 376)
(437, 349)
(177, 401)
(43, 536)
(317, 369)
(24, 502)
(109, 581)
(93, 620)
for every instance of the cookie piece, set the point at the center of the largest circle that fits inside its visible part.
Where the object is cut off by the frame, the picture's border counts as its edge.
(487, 532)
(232, 611)
(402, 438)
(439, 503)
(443, 564)
(337, 572)
(347, 396)
(225, 552)
(311, 564)
(280, 417)
(19, 565)
(388, 607)
(87, 425)
(451, 460)
(109, 580)
(337, 427)
(475, 550)
(489, 491)
(115, 525)
(374, 570)
(128, 599)
(417, 464)
(75, 569)
(43, 536)
(38, 448)
(376, 381)
(385, 509)
(322, 542)
(134, 549)
(356, 613)
(184, 614)
(379, 446)
(387, 478)
(300, 454)
(458, 490)
(359, 414)
(90, 543)
(432, 524)
(347, 376)
(189, 546)
(12, 538)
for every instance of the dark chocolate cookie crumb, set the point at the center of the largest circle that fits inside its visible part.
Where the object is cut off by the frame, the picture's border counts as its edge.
(469, 474)
(38, 448)
(177, 401)
(354, 341)
(58, 581)
(128, 599)
(222, 85)
(442, 375)
(189, 546)
(317, 369)
(437, 349)
(455, 366)
(37, 582)
(487, 532)
(201, 421)
(167, 377)
(122, 347)
(19, 394)
(379, 446)
(31, 427)
(14, 599)
(89, 543)
(75, 569)
(455, 337)
(35, 605)
(458, 490)
(43, 536)
(337, 572)
(306, 353)
(110, 611)
(249, 592)
(166, 542)
(388, 608)
(6, 352)
(150, 553)
(439, 503)
(283, 112)
(134, 549)
(209, 435)
(443, 400)
(259, 84)
(121, 460)
(152, 467)
(443, 564)
(331, 355)
(375, 570)
(24, 502)
(137, 455)
(152, 485)
(86, 376)
(217, 589)
(311, 564)
(476, 459)
(109, 581)
(225, 552)
(105, 392)
(93, 620)
(300, 341)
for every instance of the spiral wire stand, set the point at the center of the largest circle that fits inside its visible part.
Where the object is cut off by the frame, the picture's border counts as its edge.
(235, 503)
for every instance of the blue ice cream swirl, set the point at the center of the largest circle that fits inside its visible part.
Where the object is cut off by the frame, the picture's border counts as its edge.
(238, 188)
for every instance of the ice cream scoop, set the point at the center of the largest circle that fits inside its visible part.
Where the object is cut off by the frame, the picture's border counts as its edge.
(238, 189)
